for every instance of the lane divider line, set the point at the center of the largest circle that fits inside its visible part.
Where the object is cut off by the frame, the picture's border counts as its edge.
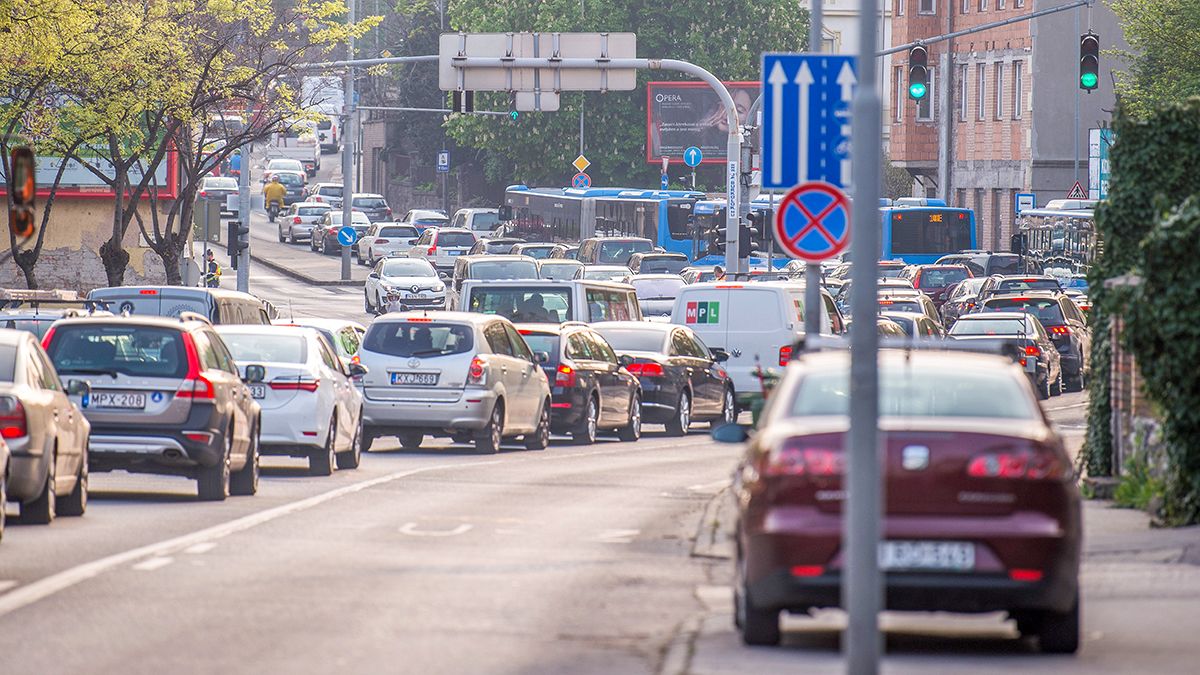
(203, 547)
(6, 584)
(151, 564)
(411, 529)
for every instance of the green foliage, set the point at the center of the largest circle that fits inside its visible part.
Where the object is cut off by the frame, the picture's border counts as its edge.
(1139, 487)
(1097, 453)
(727, 39)
(1163, 55)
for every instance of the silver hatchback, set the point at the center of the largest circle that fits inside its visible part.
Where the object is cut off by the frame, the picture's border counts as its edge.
(297, 224)
(467, 376)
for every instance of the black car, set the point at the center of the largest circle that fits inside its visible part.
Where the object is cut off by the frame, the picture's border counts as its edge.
(1016, 283)
(658, 263)
(983, 263)
(496, 246)
(591, 389)
(293, 182)
(217, 189)
(960, 299)
(1020, 336)
(375, 206)
(1063, 321)
(682, 379)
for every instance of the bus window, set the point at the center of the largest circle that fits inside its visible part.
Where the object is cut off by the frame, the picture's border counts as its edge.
(926, 231)
(679, 221)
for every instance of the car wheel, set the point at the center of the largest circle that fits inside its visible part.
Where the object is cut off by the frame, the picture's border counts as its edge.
(282, 239)
(540, 438)
(679, 424)
(1057, 388)
(42, 510)
(245, 482)
(729, 410)
(367, 304)
(212, 483)
(76, 503)
(322, 461)
(584, 432)
(351, 458)
(632, 431)
(410, 440)
(488, 438)
(1077, 383)
(1043, 387)
(3, 501)
(325, 249)
(758, 626)
(1058, 632)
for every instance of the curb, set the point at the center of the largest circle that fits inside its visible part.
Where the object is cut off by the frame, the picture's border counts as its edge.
(714, 533)
(300, 276)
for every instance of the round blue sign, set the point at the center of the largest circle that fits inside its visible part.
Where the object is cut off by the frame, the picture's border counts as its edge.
(347, 235)
(581, 180)
(813, 221)
(693, 156)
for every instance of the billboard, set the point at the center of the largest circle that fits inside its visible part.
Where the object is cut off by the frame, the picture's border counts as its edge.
(683, 114)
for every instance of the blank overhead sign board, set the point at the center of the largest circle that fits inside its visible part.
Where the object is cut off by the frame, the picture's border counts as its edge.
(453, 47)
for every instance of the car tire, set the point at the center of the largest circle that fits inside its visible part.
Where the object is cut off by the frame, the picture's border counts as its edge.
(244, 483)
(1077, 383)
(1043, 388)
(212, 482)
(633, 431)
(1058, 632)
(540, 438)
(368, 437)
(681, 421)
(350, 459)
(410, 440)
(43, 510)
(1056, 389)
(584, 432)
(3, 500)
(282, 239)
(76, 503)
(488, 439)
(325, 250)
(367, 304)
(758, 626)
(729, 410)
(322, 461)
(291, 238)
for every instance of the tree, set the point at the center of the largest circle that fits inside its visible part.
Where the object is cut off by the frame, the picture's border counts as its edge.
(1163, 53)
(538, 147)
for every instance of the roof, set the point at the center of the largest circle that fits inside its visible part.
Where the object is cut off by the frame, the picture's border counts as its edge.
(478, 210)
(274, 329)
(135, 320)
(332, 324)
(664, 275)
(556, 261)
(648, 326)
(661, 254)
(498, 257)
(366, 194)
(9, 336)
(552, 328)
(616, 239)
(474, 318)
(913, 360)
(1040, 295)
(101, 293)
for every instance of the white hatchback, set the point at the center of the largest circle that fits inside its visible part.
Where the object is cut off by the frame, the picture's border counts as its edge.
(310, 405)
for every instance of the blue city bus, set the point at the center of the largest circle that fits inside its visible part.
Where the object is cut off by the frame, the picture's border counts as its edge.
(710, 226)
(919, 231)
(570, 215)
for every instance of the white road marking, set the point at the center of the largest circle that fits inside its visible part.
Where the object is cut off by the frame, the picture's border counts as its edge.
(7, 584)
(203, 547)
(509, 531)
(713, 487)
(151, 564)
(616, 536)
(411, 530)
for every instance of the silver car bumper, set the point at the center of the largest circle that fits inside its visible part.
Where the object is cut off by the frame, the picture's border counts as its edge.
(471, 411)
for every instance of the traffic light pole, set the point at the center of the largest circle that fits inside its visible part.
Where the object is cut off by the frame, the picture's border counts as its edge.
(812, 271)
(243, 256)
(349, 137)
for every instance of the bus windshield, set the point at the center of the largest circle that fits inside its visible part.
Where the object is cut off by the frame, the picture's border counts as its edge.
(930, 231)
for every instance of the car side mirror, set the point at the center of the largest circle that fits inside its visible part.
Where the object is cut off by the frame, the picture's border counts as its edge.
(443, 276)
(373, 275)
(730, 433)
(79, 388)
(625, 360)
(356, 369)
(254, 374)
(719, 355)
(541, 357)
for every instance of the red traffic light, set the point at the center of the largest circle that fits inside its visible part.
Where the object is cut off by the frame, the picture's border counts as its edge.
(22, 185)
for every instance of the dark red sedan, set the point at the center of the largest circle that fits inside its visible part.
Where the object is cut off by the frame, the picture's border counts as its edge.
(982, 511)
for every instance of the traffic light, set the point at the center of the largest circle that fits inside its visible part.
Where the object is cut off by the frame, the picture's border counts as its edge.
(918, 72)
(464, 102)
(23, 188)
(758, 223)
(236, 241)
(1089, 61)
(745, 240)
(513, 114)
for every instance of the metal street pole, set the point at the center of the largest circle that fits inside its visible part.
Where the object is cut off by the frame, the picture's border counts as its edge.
(812, 271)
(243, 261)
(349, 136)
(861, 584)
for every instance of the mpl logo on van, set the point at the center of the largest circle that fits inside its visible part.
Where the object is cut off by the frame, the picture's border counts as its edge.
(703, 312)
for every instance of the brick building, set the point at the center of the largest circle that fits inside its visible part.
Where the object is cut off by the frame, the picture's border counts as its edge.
(1000, 118)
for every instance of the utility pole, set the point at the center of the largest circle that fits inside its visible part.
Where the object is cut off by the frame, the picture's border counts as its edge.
(243, 261)
(812, 271)
(861, 583)
(349, 138)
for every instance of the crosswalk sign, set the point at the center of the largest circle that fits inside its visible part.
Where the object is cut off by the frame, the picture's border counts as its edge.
(1077, 192)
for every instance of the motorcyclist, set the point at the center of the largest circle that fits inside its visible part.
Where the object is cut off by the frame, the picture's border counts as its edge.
(212, 270)
(274, 192)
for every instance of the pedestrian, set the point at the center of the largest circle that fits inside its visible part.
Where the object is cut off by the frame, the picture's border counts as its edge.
(718, 273)
(212, 270)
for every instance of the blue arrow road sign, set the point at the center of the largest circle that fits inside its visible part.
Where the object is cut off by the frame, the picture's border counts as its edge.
(693, 156)
(347, 236)
(806, 118)
(813, 221)
(666, 181)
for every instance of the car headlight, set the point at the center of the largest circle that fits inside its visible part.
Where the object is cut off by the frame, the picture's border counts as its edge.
(439, 288)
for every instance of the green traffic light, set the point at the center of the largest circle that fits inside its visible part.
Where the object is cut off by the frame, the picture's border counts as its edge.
(514, 115)
(1089, 80)
(917, 90)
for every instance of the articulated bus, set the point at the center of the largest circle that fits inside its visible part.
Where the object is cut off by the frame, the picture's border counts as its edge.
(1060, 235)
(571, 215)
(919, 231)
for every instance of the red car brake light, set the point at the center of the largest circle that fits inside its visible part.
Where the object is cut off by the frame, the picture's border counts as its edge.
(194, 385)
(1060, 330)
(296, 220)
(304, 384)
(12, 418)
(645, 369)
(476, 373)
(785, 354)
(1032, 350)
(564, 376)
(432, 250)
(381, 241)
(796, 458)
(1016, 464)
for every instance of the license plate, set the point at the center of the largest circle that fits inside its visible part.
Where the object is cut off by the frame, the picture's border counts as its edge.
(952, 556)
(453, 252)
(113, 400)
(258, 391)
(413, 296)
(425, 379)
(1031, 365)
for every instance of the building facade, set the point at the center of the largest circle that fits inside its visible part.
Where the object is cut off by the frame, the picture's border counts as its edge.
(840, 31)
(1005, 114)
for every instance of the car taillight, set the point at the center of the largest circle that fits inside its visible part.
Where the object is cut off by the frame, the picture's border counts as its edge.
(203, 193)
(432, 250)
(1060, 330)
(12, 418)
(47, 338)
(476, 373)
(302, 384)
(1016, 464)
(645, 369)
(785, 354)
(796, 458)
(564, 376)
(382, 241)
(296, 220)
(1032, 350)
(194, 384)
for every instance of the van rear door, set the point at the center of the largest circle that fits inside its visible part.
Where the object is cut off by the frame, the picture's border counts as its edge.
(761, 329)
(704, 309)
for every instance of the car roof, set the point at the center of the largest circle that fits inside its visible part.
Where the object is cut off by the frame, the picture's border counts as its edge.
(977, 316)
(288, 172)
(317, 204)
(332, 324)
(911, 316)
(919, 359)
(473, 318)
(366, 194)
(557, 261)
(136, 320)
(439, 230)
(1038, 277)
(647, 326)
(1038, 295)
(11, 336)
(656, 275)
(260, 329)
(617, 239)
(552, 328)
(660, 254)
(498, 257)
(281, 159)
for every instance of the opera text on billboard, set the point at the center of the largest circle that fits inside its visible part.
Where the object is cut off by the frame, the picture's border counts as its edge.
(683, 114)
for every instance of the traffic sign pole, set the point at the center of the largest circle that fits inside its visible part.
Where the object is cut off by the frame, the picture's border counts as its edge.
(812, 271)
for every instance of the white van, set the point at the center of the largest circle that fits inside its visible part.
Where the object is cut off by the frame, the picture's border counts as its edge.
(756, 323)
(549, 301)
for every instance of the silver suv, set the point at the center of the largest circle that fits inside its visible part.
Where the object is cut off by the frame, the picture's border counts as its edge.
(166, 398)
(467, 376)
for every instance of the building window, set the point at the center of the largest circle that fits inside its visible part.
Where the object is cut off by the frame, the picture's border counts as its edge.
(1018, 94)
(997, 222)
(925, 105)
(963, 70)
(983, 5)
(999, 80)
(1000, 4)
(927, 7)
(900, 7)
(1018, 3)
(966, 6)
(981, 84)
(898, 80)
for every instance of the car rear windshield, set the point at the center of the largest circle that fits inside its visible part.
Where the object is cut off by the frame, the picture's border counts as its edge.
(941, 278)
(330, 191)
(972, 326)
(312, 210)
(663, 266)
(8, 362)
(559, 271)
(543, 342)
(484, 221)
(925, 392)
(605, 275)
(633, 340)
(455, 239)
(285, 165)
(398, 231)
(430, 221)
(249, 348)
(136, 351)
(220, 183)
(523, 304)
(1046, 309)
(901, 306)
(499, 246)
(421, 340)
(292, 179)
(657, 289)
(537, 252)
(506, 269)
(407, 268)
(369, 202)
(1022, 285)
(619, 252)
